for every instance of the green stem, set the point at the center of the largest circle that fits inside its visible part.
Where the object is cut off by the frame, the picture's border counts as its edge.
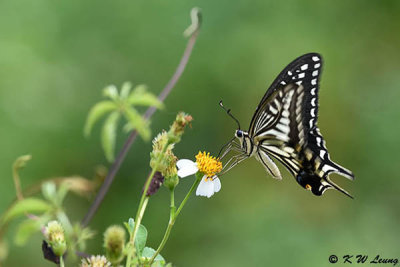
(195, 184)
(142, 207)
(172, 206)
(174, 215)
(61, 261)
(17, 183)
(65, 222)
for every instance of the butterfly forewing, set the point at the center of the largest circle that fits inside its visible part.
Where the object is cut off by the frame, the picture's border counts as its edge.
(304, 71)
(284, 125)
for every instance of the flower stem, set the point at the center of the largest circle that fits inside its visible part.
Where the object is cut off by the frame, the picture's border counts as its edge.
(173, 215)
(142, 206)
(195, 184)
(172, 206)
(61, 261)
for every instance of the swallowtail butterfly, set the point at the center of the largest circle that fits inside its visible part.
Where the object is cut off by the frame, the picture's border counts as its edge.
(284, 127)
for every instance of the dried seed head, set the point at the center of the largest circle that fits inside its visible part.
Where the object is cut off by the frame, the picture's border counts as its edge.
(155, 183)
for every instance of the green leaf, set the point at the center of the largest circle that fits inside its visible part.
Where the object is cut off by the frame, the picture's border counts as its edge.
(141, 238)
(130, 225)
(141, 235)
(109, 135)
(161, 264)
(141, 97)
(82, 235)
(137, 122)
(147, 253)
(27, 205)
(97, 111)
(49, 191)
(27, 228)
(111, 91)
(125, 90)
(61, 193)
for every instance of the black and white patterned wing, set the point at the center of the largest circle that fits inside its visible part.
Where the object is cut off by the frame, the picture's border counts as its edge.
(304, 70)
(284, 126)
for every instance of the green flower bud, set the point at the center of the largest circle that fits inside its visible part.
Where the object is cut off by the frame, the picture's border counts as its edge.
(95, 261)
(178, 127)
(54, 233)
(172, 181)
(158, 144)
(168, 160)
(114, 242)
(171, 169)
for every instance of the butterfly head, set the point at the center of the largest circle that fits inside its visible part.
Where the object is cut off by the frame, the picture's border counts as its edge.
(245, 141)
(239, 134)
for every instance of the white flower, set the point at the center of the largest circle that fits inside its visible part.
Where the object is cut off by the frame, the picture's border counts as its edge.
(186, 167)
(208, 186)
(208, 166)
(95, 261)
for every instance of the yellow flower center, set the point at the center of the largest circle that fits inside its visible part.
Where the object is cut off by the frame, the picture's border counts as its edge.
(207, 164)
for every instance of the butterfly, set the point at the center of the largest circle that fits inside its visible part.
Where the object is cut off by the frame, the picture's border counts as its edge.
(284, 128)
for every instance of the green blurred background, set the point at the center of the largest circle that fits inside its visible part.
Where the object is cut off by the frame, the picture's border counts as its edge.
(56, 56)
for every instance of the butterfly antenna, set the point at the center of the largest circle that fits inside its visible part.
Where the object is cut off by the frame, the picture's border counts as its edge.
(229, 113)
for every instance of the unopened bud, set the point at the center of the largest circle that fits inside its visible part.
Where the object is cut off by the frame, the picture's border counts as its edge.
(159, 142)
(163, 162)
(114, 243)
(171, 181)
(178, 127)
(54, 234)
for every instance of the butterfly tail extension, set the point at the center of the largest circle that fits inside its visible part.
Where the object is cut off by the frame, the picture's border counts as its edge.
(336, 168)
(338, 188)
(333, 167)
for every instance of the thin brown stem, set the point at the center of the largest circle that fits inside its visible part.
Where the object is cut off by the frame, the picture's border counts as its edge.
(132, 137)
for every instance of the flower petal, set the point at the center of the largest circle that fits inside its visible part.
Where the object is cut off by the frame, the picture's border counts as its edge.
(182, 163)
(217, 184)
(186, 167)
(205, 188)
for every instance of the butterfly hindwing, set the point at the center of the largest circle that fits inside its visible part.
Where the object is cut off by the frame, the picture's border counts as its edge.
(269, 165)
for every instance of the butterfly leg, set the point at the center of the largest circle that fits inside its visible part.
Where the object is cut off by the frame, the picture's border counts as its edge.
(231, 145)
(233, 161)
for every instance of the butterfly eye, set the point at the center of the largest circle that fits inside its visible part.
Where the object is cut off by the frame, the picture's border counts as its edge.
(239, 133)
